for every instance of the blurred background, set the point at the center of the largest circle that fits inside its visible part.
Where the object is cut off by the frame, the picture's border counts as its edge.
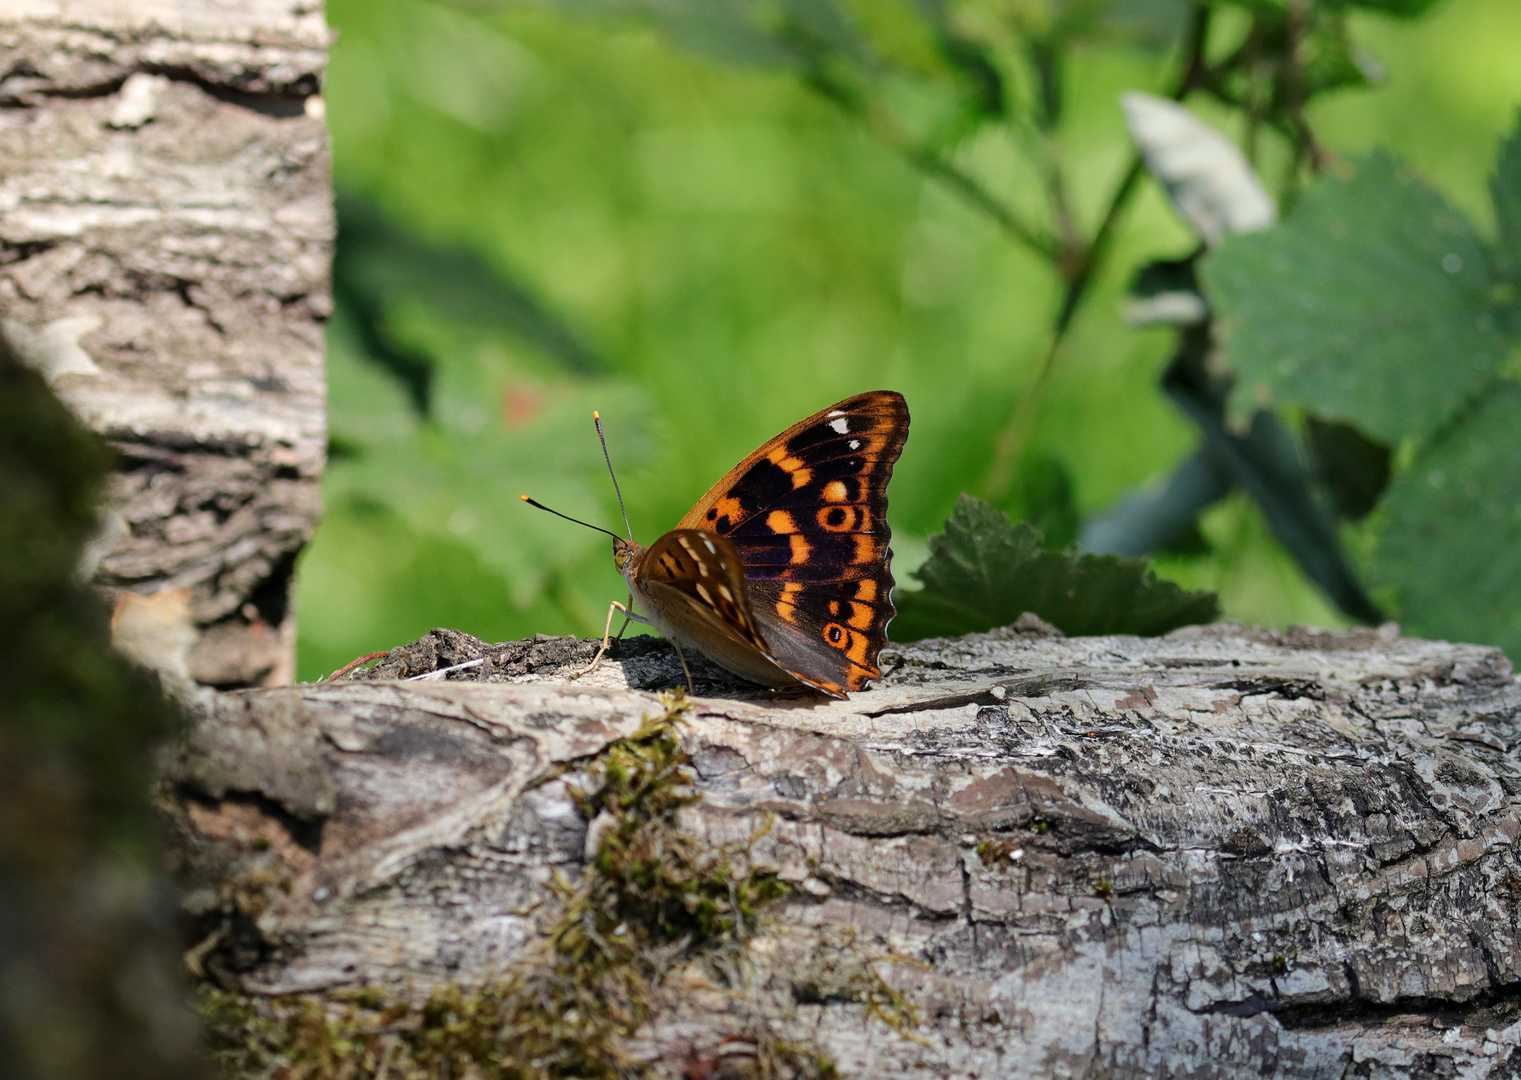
(708, 223)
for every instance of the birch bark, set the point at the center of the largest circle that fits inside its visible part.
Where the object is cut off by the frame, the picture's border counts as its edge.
(165, 229)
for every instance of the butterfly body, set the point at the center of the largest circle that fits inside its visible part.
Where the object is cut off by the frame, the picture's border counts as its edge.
(782, 572)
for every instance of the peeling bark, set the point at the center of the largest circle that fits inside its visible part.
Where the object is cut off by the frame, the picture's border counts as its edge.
(165, 230)
(1223, 852)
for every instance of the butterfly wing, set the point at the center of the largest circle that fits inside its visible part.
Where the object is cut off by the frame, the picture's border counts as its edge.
(807, 513)
(693, 583)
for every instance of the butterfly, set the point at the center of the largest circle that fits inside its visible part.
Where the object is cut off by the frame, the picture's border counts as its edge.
(781, 572)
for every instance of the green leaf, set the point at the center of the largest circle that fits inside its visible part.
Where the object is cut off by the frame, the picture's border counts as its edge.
(1505, 189)
(1450, 544)
(985, 572)
(1370, 304)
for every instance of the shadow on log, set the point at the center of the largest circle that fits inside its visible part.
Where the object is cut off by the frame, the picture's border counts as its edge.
(1223, 852)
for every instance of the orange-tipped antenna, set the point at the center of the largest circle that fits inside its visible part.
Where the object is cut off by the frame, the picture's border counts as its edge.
(597, 419)
(567, 517)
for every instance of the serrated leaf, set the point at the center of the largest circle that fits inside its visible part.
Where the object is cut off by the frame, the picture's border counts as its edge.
(1369, 304)
(1505, 189)
(1043, 495)
(984, 572)
(1206, 177)
(1450, 543)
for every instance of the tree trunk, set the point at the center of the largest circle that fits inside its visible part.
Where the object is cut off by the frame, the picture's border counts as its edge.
(1224, 852)
(165, 229)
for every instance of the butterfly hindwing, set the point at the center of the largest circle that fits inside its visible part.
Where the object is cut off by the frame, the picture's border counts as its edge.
(807, 513)
(708, 572)
(825, 629)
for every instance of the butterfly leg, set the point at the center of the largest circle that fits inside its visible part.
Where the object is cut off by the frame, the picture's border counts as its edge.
(607, 632)
(628, 617)
(685, 670)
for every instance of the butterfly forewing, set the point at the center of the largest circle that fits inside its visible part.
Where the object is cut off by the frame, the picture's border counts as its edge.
(807, 513)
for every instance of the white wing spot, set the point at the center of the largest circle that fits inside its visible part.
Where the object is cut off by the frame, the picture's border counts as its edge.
(855, 444)
(835, 412)
(842, 425)
(723, 590)
(711, 549)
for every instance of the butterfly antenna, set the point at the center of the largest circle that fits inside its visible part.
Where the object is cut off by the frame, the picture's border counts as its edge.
(567, 517)
(597, 419)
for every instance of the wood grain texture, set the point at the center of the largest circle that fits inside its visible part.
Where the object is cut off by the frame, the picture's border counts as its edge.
(1223, 852)
(165, 229)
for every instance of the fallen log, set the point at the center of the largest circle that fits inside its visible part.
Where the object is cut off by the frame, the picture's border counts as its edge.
(1221, 852)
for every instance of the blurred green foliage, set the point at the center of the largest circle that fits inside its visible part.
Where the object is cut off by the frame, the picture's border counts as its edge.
(1379, 305)
(707, 250)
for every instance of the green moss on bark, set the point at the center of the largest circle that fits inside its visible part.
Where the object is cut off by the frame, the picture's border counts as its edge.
(652, 897)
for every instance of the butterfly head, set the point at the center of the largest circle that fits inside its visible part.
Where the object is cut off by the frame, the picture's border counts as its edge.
(623, 554)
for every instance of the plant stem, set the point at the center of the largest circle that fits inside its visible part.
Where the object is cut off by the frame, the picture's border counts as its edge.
(1079, 276)
(969, 188)
(927, 160)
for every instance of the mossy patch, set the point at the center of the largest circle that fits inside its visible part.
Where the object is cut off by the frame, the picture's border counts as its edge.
(89, 959)
(652, 898)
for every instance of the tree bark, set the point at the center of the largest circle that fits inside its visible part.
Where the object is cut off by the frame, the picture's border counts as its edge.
(1223, 852)
(165, 229)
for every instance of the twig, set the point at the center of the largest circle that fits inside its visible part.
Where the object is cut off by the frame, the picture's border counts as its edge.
(429, 676)
(351, 665)
(969, 188)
